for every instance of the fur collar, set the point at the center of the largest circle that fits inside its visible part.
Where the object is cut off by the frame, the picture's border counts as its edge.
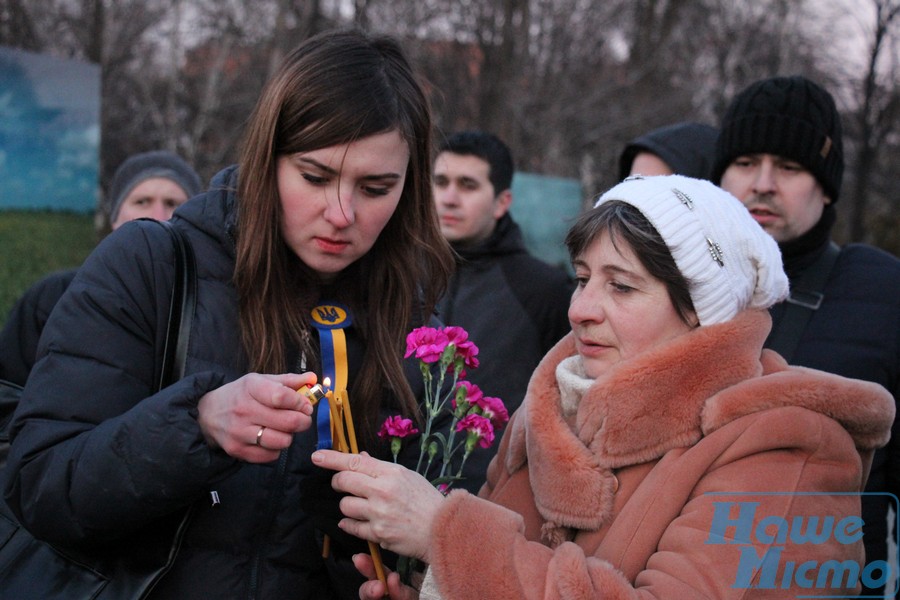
(669, 398)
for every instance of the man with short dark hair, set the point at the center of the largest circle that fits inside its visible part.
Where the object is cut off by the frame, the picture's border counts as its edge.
(780, 152)
(513, 305)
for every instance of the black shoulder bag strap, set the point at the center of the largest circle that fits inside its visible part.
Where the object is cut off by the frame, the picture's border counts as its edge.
(178, 333)
(805, 298)
(181, 309)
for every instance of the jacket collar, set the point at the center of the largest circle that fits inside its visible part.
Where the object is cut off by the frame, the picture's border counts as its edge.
(505, 239)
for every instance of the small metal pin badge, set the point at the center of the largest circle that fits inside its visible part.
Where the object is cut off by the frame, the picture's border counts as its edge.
(685, 199)
(633, 177)
(716, 252)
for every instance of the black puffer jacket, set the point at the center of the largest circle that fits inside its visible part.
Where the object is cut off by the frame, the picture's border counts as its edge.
(515, 308)
(97, 455)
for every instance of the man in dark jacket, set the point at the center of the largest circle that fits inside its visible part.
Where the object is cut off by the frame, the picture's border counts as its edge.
(513, 305)
(780, 152)
(685, 148)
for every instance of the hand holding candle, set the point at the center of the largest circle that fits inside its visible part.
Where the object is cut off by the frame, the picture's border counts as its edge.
(344, 436)
(387, 503)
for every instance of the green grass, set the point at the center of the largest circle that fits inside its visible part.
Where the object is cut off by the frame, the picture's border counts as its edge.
(35, 243)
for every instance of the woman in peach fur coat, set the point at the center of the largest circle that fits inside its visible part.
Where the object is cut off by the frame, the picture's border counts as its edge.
(660, 451)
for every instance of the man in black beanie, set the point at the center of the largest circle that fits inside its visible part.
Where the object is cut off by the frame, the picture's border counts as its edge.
(780, 152)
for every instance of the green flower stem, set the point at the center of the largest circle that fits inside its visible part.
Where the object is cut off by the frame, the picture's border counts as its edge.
(424, 443)
(429, 411)
(435, 404)
(462, 464)
(406, 566)
(448, 454)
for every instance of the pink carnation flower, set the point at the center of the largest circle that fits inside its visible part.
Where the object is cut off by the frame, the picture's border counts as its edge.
(493, 409)
(427, 343)
(397, 427)
(476, 425)
(465, 348)
(473, 393)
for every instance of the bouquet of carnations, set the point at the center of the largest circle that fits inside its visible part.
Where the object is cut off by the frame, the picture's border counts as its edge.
(443, 356)
(474, 416)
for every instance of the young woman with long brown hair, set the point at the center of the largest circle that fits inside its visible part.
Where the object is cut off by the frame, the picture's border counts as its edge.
(331, 203)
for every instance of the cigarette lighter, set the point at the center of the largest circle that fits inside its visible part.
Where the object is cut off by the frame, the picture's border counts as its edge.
(314, 393)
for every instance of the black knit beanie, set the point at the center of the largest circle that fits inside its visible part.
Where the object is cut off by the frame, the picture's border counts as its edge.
(788, 116)
(147, 165)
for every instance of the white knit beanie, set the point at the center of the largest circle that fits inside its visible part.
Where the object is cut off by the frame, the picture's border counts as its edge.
(729, 261)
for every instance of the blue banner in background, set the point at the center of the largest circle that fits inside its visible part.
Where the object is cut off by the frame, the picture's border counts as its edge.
(545, 207)
(49, 132)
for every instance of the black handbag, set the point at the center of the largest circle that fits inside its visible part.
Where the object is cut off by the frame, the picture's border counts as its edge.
(32, 569)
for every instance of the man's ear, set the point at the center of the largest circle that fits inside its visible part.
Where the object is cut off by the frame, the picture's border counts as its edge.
(502, 203)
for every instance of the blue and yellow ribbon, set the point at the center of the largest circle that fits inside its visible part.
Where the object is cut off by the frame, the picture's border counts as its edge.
(330, 319)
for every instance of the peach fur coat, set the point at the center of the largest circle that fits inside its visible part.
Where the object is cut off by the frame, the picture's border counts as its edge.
(617, 505)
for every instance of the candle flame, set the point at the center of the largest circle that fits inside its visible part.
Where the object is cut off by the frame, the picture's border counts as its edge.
(326, 382)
